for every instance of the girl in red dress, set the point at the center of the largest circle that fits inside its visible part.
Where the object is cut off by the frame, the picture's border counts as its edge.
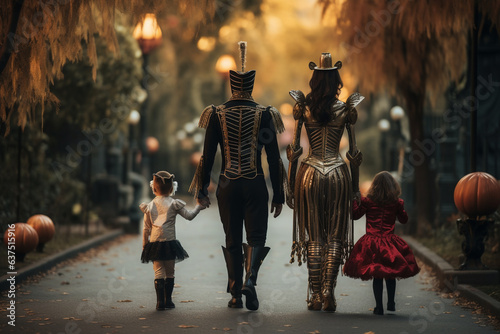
(380, 254)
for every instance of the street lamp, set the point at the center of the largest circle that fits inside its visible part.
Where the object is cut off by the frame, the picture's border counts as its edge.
(133, 119)
(398, 146)
(383, 126)
(223, 65)
(149, 36)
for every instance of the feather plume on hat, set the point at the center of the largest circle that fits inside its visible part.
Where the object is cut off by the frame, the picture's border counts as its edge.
(243, 54)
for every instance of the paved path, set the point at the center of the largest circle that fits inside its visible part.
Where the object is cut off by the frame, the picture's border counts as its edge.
(110, 291)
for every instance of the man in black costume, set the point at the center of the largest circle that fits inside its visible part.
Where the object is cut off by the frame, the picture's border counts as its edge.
(242, 128)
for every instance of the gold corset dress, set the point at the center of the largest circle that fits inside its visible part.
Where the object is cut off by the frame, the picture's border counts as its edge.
(323, 185)
(324, 144)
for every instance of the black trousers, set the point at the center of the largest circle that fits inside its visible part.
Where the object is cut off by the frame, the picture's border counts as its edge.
(243, 203)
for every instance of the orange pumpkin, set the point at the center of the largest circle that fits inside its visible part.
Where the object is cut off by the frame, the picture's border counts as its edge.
(44, 226)
(25, 239)
(477, 194)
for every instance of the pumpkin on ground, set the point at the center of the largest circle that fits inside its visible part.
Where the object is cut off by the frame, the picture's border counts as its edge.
(477, 194)
(25, 239)
(44, 226)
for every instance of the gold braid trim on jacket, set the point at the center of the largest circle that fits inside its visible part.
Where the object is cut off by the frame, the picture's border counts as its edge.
(197, 182)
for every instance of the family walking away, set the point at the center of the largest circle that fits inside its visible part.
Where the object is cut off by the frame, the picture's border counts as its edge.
(323, 193)
(159, 242)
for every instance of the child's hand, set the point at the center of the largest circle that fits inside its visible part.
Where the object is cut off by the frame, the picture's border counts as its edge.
(200, 207)
(357, 196)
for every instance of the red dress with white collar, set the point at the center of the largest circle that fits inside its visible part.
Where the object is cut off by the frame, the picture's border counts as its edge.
(380, 253)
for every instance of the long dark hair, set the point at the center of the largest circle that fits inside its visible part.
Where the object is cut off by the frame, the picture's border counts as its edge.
(384, 189)
(324, 87)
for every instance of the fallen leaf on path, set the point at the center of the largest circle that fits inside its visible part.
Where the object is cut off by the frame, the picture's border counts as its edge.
(64, 283)
(187, 326)
(187, 301)
(142, 318)
(227, 329)
(287, 325)
(370, 332)
(344, 294)
(243, 323)
(124, 301)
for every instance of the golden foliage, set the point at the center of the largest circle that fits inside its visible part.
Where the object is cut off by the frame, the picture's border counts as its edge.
(414, 44)
(50, 33)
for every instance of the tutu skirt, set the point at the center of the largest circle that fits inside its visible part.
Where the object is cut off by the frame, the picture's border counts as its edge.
(163, 251)
(384, 256)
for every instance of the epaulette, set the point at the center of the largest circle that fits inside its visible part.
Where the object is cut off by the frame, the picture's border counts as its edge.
(299, 108)
(351, 103)
(205, 116)
(276, 116)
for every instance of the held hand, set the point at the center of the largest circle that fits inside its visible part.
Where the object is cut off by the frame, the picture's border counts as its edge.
(204, 202)
(200, 207)
(357, 196)
(276, 208)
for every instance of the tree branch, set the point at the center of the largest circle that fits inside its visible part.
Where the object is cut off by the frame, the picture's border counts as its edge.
(8, 49)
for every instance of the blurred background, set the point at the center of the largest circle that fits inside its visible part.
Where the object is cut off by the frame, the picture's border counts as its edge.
(84, 126)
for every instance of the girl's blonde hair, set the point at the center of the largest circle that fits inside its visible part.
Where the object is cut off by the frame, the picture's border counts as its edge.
(384, 189)
(163, 183)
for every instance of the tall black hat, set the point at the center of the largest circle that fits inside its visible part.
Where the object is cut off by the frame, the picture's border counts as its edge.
(242, 81)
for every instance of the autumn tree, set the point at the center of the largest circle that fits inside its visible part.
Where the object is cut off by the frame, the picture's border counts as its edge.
(414, 49)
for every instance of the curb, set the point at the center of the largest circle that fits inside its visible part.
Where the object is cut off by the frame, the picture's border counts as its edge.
(449, 278)
(52, 260)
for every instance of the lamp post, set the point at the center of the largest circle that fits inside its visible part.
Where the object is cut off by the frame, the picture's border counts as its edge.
(398, 149)
(132, 120)
(223, 65)
(383, 126)
(148, 34)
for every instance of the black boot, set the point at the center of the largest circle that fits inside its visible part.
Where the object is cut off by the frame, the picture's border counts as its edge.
(169, 288)
(378, 288)
(391, 292)
(234, 264)
(160, 294)
(253, 259)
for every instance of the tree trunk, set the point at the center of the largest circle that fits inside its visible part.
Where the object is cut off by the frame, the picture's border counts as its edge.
(419, 158)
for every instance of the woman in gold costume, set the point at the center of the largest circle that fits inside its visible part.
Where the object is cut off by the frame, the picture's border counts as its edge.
(322, 191)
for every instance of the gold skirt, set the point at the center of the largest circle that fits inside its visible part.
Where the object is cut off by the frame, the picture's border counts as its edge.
(322, 208)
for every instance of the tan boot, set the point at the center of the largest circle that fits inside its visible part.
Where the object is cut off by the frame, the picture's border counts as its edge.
(315, 302)
(331, 263)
